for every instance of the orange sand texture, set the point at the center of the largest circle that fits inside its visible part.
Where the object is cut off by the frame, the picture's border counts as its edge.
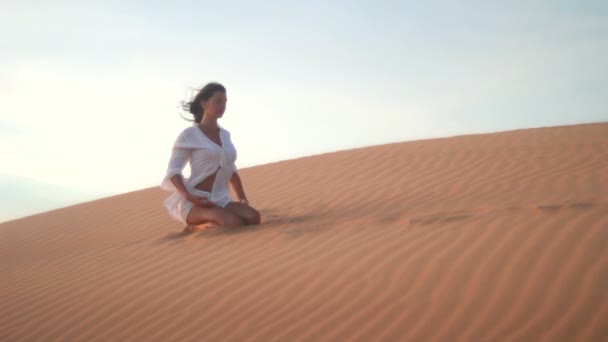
(494, 237)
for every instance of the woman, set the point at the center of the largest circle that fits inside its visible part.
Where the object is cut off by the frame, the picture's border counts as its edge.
(205, 197)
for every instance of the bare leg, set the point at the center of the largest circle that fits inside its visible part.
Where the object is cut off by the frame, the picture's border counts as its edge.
(245, 212)
(218, 215)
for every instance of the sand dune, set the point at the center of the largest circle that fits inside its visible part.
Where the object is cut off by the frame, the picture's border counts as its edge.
(494, 237)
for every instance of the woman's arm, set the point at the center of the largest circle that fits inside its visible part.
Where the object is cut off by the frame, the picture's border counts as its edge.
(237, 187)
(180, 156)
(178, 181)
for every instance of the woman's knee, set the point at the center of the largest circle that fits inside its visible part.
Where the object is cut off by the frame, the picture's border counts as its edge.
(253, 217)
(247, 213)
(250, 216)
(221, 216)
(230, 219)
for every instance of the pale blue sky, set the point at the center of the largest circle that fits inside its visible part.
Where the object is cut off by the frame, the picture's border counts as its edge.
(90, 90)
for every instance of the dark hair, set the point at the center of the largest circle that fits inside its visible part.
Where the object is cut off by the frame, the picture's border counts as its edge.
(205, 93)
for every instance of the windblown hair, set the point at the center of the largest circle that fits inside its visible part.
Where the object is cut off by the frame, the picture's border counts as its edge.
(194, 106)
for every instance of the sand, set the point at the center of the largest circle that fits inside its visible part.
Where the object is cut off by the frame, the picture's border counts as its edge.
(493, 237)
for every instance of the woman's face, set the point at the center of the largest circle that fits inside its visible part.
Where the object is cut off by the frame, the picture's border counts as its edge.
(216, 105)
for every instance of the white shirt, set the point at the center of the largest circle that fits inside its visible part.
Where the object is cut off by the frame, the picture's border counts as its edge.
(205, 158)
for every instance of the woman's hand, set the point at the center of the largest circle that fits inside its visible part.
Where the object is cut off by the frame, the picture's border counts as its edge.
(244, 201)
(201, 201)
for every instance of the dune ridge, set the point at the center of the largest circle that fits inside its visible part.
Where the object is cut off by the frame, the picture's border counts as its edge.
(487, 237)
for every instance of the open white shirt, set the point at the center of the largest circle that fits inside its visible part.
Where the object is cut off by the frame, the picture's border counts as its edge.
(205, 157)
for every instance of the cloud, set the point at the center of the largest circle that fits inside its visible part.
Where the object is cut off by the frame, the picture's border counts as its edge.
(11, 130)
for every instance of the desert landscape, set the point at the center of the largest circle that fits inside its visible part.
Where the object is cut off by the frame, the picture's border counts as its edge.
(486, 237)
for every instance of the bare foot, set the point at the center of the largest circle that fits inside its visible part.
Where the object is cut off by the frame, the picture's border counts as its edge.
(207, 225)
(189, 229)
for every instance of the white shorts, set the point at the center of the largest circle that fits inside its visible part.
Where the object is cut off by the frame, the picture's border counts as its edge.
(179, 207)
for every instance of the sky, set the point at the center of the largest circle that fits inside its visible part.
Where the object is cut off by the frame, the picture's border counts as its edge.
(90, 91)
